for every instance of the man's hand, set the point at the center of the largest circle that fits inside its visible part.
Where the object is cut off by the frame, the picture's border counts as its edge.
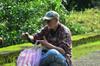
(50, 46)
(43, 42)
(25, 35)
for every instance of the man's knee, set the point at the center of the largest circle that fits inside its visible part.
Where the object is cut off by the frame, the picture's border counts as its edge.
(54, 56)
(53, 52)
(50, 56)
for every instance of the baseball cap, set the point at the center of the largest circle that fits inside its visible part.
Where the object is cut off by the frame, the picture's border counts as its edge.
(50, 15)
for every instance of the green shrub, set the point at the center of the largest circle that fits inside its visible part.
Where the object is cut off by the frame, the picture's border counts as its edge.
(17, 16)
(84, 21)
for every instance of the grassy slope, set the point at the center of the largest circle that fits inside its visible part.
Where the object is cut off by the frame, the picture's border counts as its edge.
(77, 37)
(10, 64)
(79, 51)
(15, 47)
(85, 49)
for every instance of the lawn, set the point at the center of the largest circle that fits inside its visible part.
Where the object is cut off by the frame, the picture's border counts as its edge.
(15, 47)
(77, 37)
(79, 51)
(85, 49)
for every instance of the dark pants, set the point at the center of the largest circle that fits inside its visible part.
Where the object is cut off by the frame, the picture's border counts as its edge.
(53, 58)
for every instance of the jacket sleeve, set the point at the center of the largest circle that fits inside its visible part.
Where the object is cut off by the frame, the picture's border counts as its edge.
(66, 42)
(38, 36)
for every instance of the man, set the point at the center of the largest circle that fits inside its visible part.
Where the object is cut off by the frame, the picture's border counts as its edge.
(56, 38)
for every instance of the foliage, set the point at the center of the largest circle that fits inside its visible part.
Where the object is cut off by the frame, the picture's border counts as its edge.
(84, 22)
(17, 16)
(80, 5)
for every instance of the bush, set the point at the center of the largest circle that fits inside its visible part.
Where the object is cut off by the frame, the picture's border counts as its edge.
(84, 21)
(17, 16)
(80, 5)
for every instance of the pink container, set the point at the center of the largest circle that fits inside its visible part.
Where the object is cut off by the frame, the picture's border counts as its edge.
(30, 57)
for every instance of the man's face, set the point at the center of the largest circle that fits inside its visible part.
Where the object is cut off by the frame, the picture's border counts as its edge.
(52, 23)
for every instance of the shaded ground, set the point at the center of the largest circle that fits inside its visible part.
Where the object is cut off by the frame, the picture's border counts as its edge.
(93, 59)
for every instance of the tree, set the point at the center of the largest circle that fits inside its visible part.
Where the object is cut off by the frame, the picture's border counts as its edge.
(77, 4)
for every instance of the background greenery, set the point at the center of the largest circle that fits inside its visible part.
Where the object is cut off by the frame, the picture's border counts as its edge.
(80, 4)
(17, 16)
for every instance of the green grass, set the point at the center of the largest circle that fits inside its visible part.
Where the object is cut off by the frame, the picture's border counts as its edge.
(78, 51)
(10, 64)
(85, 49)
(77, 37)
(15, 47)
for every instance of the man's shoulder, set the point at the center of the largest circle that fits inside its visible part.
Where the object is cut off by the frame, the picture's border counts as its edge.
(65, 28)
(44, 29)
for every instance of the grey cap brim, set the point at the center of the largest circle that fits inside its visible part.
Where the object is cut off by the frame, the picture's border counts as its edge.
(47, 18)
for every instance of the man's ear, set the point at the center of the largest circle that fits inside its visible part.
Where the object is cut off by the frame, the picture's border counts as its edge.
(57, 20)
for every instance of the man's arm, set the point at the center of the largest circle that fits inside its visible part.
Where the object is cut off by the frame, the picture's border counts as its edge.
(33, 38)
(28, 37)
(48, 45)
(66, 42)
